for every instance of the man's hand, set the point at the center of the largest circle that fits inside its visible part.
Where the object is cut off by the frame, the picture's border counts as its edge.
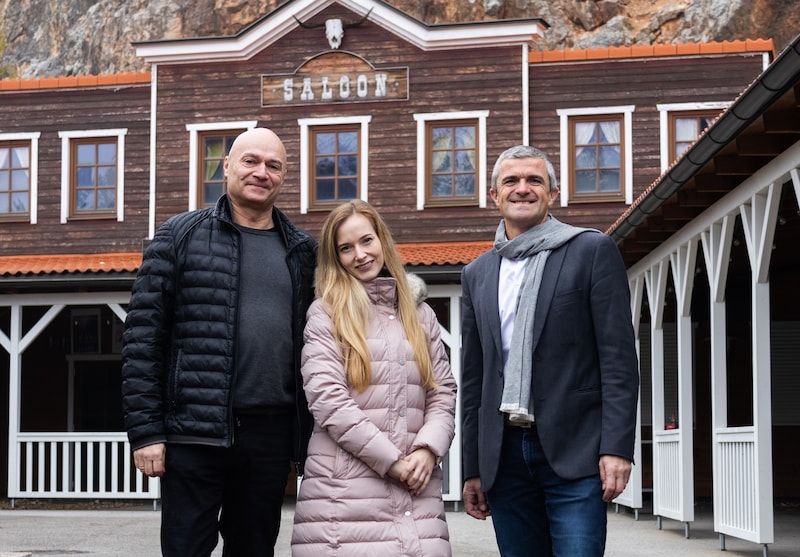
(614, 474)
(475, 499)
(150, 459)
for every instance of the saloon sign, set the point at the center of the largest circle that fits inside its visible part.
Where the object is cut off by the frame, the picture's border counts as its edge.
(334, 77)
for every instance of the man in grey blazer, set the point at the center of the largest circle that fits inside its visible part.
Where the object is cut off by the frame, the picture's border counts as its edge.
(549, 374)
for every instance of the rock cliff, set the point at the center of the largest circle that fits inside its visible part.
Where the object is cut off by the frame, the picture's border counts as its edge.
(46, 38)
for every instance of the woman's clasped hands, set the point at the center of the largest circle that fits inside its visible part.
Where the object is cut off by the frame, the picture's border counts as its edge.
(414, 470)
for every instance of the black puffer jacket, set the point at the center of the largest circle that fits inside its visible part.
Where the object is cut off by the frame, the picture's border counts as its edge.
(179, 345)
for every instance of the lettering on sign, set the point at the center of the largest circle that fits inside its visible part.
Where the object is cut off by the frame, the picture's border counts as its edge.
(334, 77)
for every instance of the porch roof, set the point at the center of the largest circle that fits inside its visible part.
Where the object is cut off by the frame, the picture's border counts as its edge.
(762, 123)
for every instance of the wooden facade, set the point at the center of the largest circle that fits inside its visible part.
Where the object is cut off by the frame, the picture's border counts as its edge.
(53, 111)
(58, 269)
(439, 81)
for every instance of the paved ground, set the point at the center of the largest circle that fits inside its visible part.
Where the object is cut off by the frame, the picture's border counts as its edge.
(134, 533)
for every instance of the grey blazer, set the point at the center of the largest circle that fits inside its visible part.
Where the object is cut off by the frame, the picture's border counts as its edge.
(585, 368)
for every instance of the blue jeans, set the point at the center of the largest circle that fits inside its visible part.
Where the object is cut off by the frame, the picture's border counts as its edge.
(537, 513)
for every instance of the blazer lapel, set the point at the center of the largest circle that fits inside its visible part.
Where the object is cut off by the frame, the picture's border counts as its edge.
(493, 275)
(488, 278)
(547, 289)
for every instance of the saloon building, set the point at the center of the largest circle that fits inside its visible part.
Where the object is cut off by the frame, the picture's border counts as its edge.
(375, 105)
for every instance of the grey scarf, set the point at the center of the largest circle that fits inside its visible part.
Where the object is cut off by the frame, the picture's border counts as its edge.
(536, 245)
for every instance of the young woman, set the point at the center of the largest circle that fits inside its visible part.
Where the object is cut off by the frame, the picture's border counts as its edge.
(383, 398)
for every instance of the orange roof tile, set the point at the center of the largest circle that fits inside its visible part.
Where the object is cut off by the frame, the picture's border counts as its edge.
(71, 82)
(442, 253)
(69, 263)
(645, 51)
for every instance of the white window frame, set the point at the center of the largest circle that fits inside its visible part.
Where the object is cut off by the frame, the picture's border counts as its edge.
(33, 182)
(666, 109)
(565, 114)
(194, 156)
(66, 138)
(305, 151)
(422, 149)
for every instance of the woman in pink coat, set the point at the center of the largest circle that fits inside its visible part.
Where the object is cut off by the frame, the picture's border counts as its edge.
(379, 386)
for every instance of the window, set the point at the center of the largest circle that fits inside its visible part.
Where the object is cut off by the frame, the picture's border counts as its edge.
(596, 158)
(334, 172)
(209, 144)
(685, 128)
(214, 147)
(92, 176)
(451, 159)
(452, 163)
(596, 163)
(682, 123)
(19, 154)
(333, 161)
(15, 180)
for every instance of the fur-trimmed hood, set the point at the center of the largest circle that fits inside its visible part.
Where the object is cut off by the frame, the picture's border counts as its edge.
(418, 287)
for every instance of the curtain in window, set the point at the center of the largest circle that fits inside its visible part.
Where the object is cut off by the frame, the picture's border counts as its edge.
(465, 138)
(611, 131)
(20, 157)
(214, 157)
(442, 142)
(584, 131)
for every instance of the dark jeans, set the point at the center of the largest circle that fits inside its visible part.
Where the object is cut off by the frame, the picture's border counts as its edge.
(538, 514)
(236, 492)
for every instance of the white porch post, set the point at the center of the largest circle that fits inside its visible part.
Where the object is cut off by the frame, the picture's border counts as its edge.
(14, 390)
(717, 242)
(683, 261)
(451, 337)
(664, 475)
(759, 218)
(632, 496)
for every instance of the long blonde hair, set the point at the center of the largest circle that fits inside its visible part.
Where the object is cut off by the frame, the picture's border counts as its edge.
(346, 298)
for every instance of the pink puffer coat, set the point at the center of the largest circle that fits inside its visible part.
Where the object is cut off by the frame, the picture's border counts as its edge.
(347, 504)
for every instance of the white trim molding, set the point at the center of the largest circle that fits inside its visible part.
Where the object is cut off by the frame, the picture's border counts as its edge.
(66, 137)
(33, 179)
(664, 111)
(565, 114)
(305, 149)
(286, 18)
(422, 149)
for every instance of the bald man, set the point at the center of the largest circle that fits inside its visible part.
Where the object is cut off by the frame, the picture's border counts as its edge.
(211, 387)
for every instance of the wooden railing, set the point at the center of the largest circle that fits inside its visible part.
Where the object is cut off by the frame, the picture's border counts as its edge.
(77, 465)
(736, 508)
(667, 483)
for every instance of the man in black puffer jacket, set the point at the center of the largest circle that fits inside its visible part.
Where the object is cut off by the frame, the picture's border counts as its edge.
(211, 387)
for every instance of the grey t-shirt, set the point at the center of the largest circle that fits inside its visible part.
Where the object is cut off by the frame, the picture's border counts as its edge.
(264, 374)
